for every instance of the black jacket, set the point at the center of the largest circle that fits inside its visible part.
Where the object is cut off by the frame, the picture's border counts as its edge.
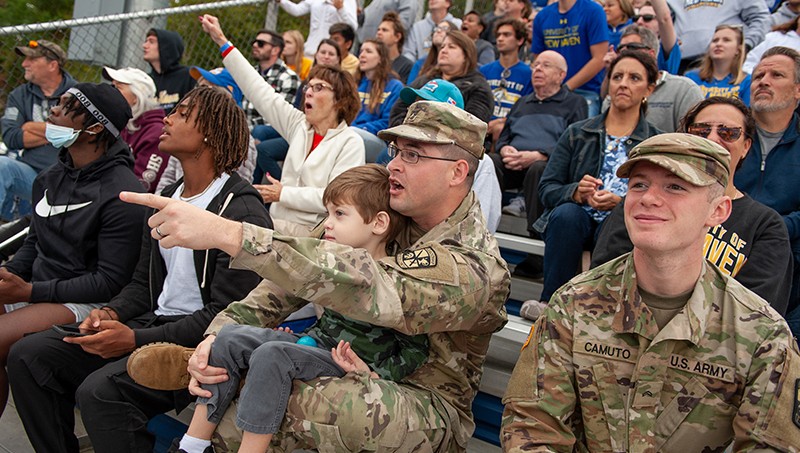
(174, 80)
(478, 99)
(222, 284)
(83, 241)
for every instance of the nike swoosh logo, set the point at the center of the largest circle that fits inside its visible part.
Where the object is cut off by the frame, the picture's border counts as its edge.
(43, 208)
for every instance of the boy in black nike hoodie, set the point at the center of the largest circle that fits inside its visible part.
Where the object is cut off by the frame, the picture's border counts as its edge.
(163, 50)
(83, 242)
(173, 296)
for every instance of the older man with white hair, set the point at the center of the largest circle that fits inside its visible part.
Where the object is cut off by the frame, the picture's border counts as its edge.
(524, 149)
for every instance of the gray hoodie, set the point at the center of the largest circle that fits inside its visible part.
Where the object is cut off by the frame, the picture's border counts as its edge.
(419, 37)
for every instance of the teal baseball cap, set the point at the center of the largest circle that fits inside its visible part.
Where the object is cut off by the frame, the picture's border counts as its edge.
(436, 90)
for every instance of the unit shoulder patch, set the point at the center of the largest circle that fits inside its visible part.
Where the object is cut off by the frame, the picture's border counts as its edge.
(417, 259)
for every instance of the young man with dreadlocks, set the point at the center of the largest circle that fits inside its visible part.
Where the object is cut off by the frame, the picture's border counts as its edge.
(174, 295)
(83, 241)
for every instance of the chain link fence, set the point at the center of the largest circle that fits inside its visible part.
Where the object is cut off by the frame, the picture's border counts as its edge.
(116, 39)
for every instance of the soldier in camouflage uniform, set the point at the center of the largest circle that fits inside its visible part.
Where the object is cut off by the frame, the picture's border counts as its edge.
(447, 281)
(658, 350)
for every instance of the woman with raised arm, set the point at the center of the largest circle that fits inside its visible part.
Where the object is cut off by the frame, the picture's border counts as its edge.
(321, 145)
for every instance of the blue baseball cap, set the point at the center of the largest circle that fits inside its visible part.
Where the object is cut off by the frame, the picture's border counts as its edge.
(220, 77)
(436, 90)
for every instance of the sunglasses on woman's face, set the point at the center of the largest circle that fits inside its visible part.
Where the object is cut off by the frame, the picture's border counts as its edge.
(727, 133)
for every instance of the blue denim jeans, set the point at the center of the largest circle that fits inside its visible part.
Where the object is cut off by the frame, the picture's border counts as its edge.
(274, 359)
(592, 100)
(16, 180)
(271, 149)
(570, 231)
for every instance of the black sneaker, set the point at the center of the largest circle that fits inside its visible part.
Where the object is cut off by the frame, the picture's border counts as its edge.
(531, 267)
(176, 444)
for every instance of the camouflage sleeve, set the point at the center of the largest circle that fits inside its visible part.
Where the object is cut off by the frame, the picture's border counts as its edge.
(540, 400)
(431, 289)
(769, 416)
(267, 305)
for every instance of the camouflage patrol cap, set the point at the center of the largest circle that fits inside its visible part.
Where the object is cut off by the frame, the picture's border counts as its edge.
(693, 159)
(440, 123)
(43, 48)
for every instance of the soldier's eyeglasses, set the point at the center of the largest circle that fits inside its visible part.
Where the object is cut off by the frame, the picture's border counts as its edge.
(727, 133)
(410, 156)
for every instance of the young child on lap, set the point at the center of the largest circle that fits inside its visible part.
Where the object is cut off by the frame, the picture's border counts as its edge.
(359, 216)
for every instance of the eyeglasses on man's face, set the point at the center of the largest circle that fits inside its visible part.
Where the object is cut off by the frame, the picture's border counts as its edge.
(644, 17)
(410, 156)
(727, 133)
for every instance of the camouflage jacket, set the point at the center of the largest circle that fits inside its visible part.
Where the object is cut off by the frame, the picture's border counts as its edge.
(449, 283)
(597, 374)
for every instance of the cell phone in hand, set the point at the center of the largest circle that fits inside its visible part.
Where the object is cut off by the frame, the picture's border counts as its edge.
(73, 331)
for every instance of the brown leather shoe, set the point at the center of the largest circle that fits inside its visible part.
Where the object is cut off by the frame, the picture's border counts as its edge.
(160, 366)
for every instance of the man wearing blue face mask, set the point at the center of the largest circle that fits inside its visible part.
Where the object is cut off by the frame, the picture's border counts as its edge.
(23, 121)
(83, 242)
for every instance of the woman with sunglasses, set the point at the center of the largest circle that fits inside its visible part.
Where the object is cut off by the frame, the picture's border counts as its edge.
(753, 244)
(720, 72)
(579, 186)
(423, 65)
(784, 35)
(379, 90)
(321, 145)
(456, 64)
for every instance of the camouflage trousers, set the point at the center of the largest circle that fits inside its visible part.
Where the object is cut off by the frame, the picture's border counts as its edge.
(351, 414)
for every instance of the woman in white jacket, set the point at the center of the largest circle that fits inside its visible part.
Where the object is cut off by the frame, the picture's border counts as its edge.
(321, 145)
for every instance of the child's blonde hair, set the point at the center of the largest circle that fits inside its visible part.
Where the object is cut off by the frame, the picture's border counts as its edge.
(367, 188)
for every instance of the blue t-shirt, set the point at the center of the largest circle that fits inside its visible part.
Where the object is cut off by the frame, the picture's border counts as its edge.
(508, 90)
(722, 87)
(379, 120)
(673, 63)
(572, 34)
(615, 33)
